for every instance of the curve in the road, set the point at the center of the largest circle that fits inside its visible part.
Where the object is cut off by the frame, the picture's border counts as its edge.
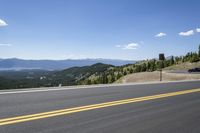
(43, 115)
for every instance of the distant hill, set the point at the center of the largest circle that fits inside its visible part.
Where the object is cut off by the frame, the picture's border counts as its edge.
(72, 76)
(33, 78)
(20, 64)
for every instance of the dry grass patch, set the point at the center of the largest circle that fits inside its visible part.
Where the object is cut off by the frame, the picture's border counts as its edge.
(155, 76)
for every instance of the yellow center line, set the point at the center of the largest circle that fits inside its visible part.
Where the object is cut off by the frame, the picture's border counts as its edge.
(24, 118)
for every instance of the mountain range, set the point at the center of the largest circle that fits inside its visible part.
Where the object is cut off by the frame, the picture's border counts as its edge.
(21, 64)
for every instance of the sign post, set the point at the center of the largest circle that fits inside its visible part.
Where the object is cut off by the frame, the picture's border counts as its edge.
(161, 74)
(161, 59)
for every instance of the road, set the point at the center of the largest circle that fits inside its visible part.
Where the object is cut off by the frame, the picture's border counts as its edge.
(142, 108)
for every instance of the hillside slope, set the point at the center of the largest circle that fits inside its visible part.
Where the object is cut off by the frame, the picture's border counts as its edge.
(171, 73)
(183, 66)
(30, 79)
(74, 75)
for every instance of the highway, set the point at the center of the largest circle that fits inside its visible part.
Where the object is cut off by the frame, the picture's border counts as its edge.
(172, 107)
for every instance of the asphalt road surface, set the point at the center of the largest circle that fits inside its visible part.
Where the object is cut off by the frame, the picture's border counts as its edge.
(143, 108)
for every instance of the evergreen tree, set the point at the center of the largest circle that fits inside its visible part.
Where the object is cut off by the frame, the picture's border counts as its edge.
(166, 63)
(172, 60)
(199, 51)
(143, 67)
(148, 65)
(194, 58)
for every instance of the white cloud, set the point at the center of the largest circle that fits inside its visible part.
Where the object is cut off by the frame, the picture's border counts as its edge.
(2, 23)
(129, 46)
(161, 34)
(187, 33)
(5, 44)
(198, 29)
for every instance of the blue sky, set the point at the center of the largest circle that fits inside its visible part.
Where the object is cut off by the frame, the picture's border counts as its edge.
(114, 29)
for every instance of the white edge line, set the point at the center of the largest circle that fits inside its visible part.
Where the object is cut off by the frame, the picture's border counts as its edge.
(13, 91)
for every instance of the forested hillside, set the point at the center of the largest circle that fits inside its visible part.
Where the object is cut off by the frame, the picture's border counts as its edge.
(39, 78)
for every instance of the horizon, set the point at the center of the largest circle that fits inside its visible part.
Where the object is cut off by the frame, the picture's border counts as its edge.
(100, 29)
(69, 59)
(94, 58)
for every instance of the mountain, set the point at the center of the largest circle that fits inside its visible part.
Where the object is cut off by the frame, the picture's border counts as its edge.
(73, 75)
(30, 78)
(20, 64)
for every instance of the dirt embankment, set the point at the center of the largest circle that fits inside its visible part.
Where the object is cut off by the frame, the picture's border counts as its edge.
(155, 76)
(183, 66)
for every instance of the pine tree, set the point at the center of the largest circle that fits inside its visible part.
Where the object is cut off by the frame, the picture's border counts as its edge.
(199, 51)
(194, 58)
(148, 65)
(172, 60)
(143, 67)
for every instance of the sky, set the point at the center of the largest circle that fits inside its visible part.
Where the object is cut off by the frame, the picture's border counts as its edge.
(111, 29)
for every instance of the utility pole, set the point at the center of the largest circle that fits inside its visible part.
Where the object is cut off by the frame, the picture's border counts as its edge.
(161, 59)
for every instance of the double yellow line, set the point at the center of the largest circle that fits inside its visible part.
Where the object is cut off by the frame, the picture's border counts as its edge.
(43, 115)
